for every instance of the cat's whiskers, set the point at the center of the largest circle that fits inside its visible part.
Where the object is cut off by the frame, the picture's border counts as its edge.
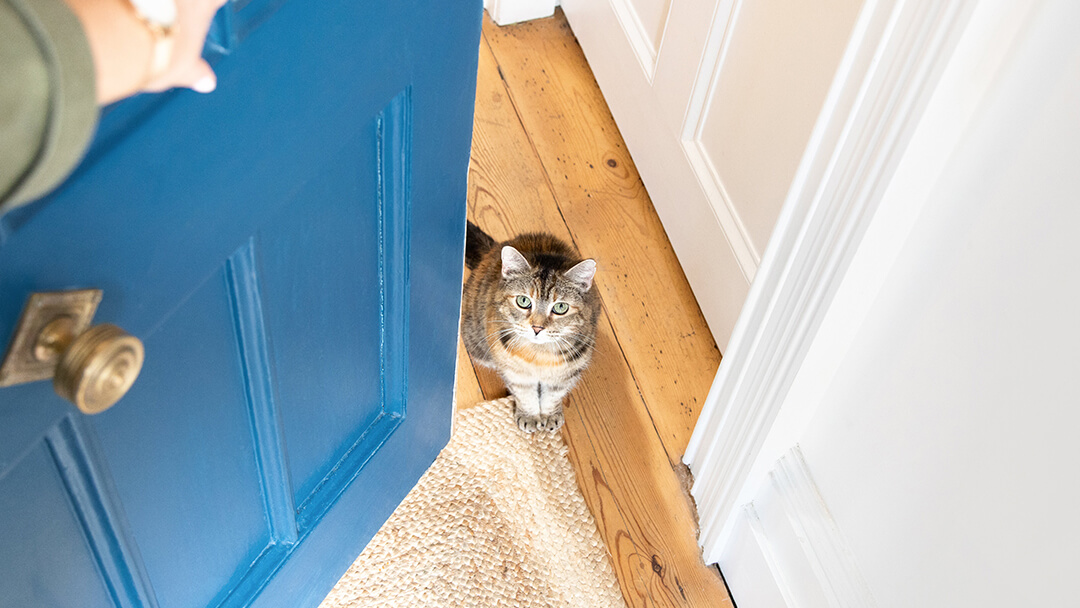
(582, 337)
(567, 344)
(511, 329)
(500, 333)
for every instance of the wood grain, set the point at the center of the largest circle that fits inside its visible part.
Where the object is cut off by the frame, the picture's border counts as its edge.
(508, 189)
(657, 321)
(466, 387)
(622, 464)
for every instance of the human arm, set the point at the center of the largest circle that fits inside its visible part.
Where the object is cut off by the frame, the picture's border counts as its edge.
(47, 100)
(122, 45)
(59, 61)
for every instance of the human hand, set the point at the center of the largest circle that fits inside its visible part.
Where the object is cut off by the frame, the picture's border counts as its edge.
(122, 46)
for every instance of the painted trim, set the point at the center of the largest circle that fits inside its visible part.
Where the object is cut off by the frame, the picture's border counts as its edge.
(707, 78)
(768, 554)
(897, 52)
(72, 447)
(393, 143)
(506, 12)
(830, 557)
(706, 81)
(634, 30)
(242, 280)
(393, 129)
(267, 433)
(726, 216)
(289, 522)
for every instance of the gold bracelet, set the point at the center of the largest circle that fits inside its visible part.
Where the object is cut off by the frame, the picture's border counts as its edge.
(159, 17)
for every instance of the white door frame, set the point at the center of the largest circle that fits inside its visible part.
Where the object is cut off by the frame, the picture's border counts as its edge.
(910, 81)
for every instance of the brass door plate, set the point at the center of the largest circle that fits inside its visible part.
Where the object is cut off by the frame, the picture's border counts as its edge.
(20, 363)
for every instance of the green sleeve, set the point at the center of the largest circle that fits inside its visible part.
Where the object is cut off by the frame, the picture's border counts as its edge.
(48, 107)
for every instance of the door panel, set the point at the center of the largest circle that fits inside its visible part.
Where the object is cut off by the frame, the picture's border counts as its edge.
(764, 99)
(314, 269)
(717, 119)
(176, 466)
(47, 565)
(289, 250)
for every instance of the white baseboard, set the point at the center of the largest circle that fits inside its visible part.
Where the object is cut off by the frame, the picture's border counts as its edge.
(505, 12)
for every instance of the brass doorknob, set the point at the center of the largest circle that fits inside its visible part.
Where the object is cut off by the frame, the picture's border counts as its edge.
(98, 366)
(92, 367)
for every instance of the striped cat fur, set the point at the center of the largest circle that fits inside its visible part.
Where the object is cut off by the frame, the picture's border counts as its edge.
(529, 311)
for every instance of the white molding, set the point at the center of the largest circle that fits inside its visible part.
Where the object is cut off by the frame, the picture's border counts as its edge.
(807, 562)
(826, 549)
(636, 35)
(506, 12)
(984, 48)
(897, 51)
(768, 554)
(649, 117)
(717, 44)
(737, 236)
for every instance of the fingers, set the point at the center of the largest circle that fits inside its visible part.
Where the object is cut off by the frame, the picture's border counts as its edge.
(187, 69)
(197, 76)
(203, 78)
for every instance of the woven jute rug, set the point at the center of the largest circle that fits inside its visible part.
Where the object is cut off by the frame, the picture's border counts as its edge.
(498, 520)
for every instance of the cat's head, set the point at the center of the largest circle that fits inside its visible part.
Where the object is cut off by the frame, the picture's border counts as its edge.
(547, 301)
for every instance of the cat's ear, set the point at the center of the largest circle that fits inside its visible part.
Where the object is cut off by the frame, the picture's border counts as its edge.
(513, 262)
(582, 273)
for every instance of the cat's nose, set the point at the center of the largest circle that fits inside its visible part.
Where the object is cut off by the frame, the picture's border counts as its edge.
(537, 329)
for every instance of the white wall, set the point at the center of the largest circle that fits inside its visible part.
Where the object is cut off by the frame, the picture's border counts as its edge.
(946, 446)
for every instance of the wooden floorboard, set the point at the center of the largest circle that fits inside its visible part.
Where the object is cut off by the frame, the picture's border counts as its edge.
(629, 419)
(466, 387)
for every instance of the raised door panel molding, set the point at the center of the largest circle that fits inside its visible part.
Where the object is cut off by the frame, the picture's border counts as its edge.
(703, 89)
(788, 528)
(836, 573)
(665, 106)
(648, 115)
(763, 99)
(643, 22)
(738, 238)
(693, 47)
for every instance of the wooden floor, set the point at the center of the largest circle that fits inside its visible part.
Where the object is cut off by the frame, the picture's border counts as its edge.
(547, 156)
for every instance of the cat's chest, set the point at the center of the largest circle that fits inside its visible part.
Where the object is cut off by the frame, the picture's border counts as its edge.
(534, 360)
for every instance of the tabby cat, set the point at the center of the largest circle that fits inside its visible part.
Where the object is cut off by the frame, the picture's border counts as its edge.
(529, 311)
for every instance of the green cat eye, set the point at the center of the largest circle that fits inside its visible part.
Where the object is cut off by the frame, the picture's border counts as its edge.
(560, 308)
(524, 302)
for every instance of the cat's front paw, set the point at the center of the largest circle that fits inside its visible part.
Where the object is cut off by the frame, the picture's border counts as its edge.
(551, 422)
(532, 424)
(528, 424)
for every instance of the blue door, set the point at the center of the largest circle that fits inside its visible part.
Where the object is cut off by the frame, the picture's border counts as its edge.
(289, 250)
